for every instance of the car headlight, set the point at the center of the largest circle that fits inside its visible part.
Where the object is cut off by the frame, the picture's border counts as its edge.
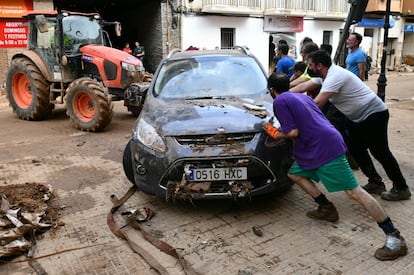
(148, 136)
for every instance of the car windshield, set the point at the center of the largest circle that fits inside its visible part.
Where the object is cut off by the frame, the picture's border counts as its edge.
(210, 77)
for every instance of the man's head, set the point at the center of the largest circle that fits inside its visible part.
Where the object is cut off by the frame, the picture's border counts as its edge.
(299, 66)
(319, 62)
(278, 83)
(327, 48)
(282, 41)
(305, 40)
(307, 49)
(353, 41)
(283, 49)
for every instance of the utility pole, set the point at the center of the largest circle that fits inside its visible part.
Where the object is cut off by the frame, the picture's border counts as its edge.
(382, 79)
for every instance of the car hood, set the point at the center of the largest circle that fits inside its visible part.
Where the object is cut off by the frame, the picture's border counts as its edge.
(211, 116)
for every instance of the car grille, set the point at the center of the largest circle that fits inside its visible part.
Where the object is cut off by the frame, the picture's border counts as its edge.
(215, 139)
(259, 174)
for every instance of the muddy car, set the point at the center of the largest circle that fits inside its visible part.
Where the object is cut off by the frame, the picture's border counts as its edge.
(200, 136)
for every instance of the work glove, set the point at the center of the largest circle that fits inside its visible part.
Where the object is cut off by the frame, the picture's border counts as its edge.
(270, 130)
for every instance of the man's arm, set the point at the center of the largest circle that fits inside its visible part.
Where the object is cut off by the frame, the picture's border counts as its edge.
(292, 134)
(361, 67)
(298, 80)
(322, 98)
(305, 86)
(276, 133)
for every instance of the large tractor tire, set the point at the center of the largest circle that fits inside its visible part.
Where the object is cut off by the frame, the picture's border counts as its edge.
(89, 105)
(28, 90)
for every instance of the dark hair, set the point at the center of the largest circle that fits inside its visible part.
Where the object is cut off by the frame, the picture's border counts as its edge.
(306, 40)
(299, 66)
(321, 57)
(358, 37)
(283, 48)
(309, 47)
(278, 81)
(282, 42)
(327, 48)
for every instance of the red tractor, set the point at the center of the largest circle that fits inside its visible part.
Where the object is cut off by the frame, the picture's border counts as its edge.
(70, 60)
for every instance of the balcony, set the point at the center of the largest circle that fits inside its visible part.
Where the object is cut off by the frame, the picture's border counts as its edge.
(408, 8)
(248, 7)
(309, 8)
(380, 6)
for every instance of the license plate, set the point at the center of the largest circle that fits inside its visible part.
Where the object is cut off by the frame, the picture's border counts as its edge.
(215, 174)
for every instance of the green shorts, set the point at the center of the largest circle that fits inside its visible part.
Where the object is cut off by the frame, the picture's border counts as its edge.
(336, 175)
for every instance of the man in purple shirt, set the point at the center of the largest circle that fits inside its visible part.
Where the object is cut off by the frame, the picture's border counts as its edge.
(319, 152)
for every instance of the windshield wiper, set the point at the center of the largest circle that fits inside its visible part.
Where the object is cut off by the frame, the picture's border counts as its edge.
(204, 97)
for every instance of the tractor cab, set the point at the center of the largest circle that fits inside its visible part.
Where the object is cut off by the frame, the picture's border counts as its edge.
(58, 37)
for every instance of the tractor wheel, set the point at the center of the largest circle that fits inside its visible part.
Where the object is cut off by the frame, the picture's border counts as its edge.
(89, 105)
(127, 163)
(28, 90)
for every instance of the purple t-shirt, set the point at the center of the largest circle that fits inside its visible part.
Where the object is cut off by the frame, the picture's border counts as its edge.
(318, 141)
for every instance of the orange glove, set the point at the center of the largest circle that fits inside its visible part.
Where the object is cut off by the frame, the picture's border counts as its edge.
(271, 130)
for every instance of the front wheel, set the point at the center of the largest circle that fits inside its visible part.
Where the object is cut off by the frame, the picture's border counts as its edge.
(127, 163)
(89, 105)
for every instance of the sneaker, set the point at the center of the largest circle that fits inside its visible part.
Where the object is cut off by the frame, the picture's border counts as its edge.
(395, 246)
(374, 187)
(324, 212)
(396, 195)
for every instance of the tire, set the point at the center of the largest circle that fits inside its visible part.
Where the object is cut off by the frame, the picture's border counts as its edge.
(127, 163)
(135, 111)
(28, 90)
(89, 105)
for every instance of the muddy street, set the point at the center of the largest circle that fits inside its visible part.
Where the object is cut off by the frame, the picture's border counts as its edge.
(85, 169)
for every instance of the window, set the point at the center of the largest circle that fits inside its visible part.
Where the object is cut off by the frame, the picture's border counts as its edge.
(227, 38)
(327, 37)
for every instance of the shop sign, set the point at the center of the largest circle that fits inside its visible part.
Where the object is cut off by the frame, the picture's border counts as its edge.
(283, 24)
(13, 33)
(409, 28)
(14, 8)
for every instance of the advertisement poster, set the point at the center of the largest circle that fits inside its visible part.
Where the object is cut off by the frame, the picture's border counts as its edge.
(13, 33)
(14, 8)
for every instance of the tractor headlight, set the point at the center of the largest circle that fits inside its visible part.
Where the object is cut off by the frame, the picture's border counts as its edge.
(148, 136)
(128, 67)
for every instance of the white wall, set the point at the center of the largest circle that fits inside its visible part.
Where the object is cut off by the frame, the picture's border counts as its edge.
(204, 32)
(314, 29)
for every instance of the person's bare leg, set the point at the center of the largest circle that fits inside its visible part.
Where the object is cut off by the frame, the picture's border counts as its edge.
(306, 184)
(326, 210)
(368, 202)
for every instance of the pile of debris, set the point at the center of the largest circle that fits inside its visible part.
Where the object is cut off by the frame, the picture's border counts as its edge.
(24, 213)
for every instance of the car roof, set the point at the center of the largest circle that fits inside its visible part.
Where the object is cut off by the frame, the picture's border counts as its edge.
(237, 51)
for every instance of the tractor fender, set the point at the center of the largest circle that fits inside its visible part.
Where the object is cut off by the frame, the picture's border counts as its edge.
(38, 61)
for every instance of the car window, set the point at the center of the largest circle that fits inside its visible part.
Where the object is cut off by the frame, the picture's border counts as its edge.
(210, 76)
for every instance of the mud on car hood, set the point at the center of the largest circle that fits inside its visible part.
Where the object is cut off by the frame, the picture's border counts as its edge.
(207, 116)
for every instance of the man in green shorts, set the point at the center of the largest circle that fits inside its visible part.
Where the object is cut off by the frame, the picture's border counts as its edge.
(319, 152)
